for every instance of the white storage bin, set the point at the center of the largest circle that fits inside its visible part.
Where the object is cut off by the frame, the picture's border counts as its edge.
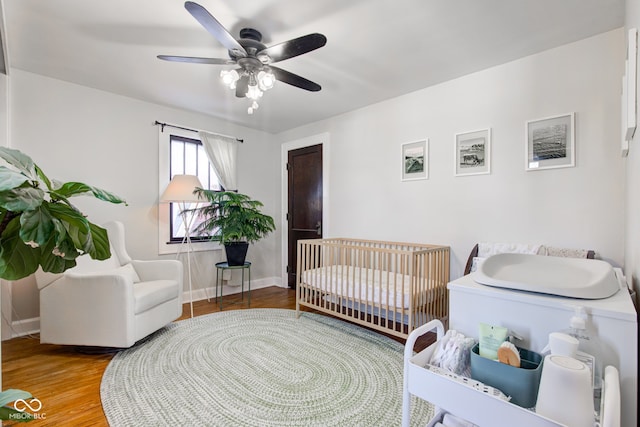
(482, 408)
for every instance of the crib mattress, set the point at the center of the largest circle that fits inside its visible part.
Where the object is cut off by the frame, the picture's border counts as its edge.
(378, 287)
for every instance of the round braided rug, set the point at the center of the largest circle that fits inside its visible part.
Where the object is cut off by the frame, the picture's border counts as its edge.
(259, 367)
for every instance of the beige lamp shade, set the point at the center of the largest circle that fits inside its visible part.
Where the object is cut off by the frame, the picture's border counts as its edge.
(181, 188)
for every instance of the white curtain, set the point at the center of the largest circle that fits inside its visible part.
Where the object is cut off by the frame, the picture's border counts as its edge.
(222, 152)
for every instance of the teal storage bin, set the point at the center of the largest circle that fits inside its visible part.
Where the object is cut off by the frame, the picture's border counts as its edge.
(519, 383)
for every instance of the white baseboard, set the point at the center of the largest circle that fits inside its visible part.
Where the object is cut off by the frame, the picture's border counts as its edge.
(209, 292)
(21, 328)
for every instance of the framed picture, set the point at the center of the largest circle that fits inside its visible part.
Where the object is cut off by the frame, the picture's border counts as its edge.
(415, 160)
(551, 143)
(473, 153)
(624, 147)
(631, 75)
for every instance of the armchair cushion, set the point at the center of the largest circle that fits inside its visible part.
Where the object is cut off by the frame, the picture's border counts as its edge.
(147, 295)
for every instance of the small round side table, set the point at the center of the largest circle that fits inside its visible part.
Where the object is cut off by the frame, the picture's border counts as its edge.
(221, 267)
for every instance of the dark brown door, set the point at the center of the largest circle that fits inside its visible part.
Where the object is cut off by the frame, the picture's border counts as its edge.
(304, 170)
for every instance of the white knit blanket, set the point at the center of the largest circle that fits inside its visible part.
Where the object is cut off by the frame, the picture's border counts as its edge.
(485, 250)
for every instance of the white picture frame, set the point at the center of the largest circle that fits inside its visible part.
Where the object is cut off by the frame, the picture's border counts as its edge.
(415, 160)
(472, 153)
(550, 143)
(624, 143)
(631, 86)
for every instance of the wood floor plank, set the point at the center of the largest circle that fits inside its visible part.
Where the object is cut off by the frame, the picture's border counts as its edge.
(67, 379)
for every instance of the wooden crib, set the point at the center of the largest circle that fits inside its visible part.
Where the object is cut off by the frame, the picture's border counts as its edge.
(387, 286)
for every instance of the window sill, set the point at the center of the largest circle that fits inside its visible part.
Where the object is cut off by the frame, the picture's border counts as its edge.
(179, 247)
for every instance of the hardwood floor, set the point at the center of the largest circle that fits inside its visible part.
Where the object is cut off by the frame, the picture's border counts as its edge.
(67, 379)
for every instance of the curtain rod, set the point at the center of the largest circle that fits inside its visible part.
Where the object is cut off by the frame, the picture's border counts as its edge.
(162, 125)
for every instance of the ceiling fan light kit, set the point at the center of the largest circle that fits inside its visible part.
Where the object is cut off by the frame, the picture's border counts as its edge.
(255, 75)
(258, 83)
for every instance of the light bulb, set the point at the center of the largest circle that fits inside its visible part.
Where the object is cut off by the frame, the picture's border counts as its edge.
(229, 78)
(266, 79)
(253, 92)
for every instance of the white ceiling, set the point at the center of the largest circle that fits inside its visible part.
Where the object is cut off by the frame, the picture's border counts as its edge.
(376, 49)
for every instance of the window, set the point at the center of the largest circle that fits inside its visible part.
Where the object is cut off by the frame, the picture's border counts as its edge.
(180, 152)
(187, 156)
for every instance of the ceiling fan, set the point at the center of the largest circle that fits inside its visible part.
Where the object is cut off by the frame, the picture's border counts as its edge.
(255, 73)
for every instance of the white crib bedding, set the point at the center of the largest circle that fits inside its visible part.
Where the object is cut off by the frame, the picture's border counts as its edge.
(377, 287)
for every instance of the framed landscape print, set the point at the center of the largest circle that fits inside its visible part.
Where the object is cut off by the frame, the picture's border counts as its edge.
(473, 153)
(551, 143)
(631, 75)
(624, 147)
(415, 160)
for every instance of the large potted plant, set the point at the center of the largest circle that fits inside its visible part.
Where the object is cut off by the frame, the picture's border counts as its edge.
(38, 224)
(40, 227)
(233, 219)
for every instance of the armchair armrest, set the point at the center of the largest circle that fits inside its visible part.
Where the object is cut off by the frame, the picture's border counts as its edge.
(105, 287)
(88, 307)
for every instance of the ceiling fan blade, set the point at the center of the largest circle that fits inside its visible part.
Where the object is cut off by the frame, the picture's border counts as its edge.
(215, 28)
(295, 47)
(242, 86)
(215, 61)
(295, 80)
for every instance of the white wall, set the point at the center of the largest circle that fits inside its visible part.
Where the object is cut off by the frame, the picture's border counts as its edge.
(5, 287)
(580, 207)
(75, 133)
(632, 231)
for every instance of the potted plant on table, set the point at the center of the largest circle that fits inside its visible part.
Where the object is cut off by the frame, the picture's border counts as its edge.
(233, 219)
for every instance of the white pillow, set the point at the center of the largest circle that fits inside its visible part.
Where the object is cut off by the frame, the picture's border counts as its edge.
(86, 264)
(128, 271)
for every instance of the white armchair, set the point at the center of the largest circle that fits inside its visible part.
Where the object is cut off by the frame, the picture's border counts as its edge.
(110, 303)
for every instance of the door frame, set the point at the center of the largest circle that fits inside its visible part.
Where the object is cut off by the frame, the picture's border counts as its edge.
(324, 139)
